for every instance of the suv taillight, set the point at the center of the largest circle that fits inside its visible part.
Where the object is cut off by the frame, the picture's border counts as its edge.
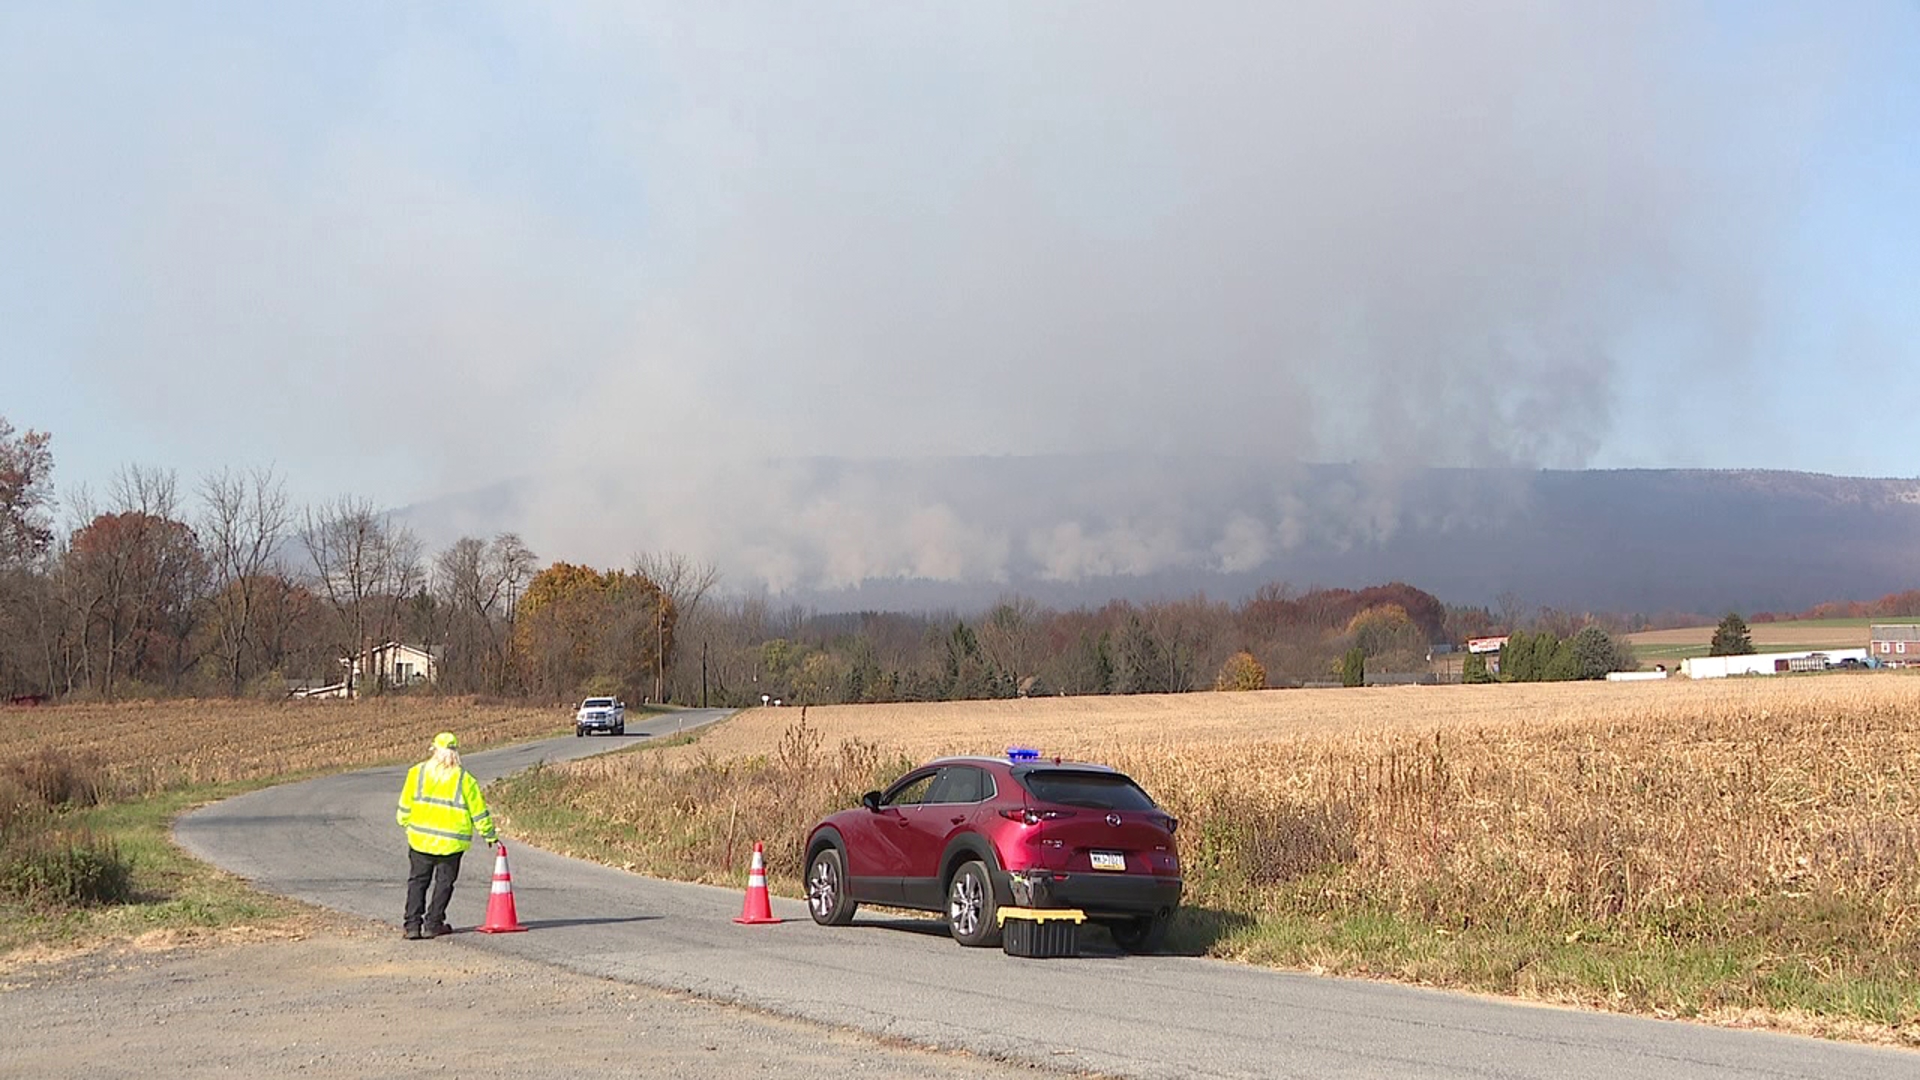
(1029, 816)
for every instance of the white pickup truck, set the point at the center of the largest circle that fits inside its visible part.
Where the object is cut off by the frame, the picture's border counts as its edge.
(601, 714)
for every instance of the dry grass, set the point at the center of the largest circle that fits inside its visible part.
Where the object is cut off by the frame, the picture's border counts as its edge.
(1698, 849)
(160, 745)
(88, 794)
(1743, 848)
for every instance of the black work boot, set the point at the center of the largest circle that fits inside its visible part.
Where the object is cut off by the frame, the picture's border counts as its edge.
(413, 933)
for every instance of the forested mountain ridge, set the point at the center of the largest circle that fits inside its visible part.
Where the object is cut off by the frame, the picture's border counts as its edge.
(921, 534)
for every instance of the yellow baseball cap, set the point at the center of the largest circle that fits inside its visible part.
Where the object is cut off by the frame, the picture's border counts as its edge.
(446, 741)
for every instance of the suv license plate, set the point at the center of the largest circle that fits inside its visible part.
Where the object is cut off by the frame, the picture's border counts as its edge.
(1108, 860)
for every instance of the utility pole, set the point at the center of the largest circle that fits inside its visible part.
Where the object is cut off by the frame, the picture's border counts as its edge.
(703, 674)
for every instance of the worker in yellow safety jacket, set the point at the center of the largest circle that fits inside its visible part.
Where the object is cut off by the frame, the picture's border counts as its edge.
(441, 808)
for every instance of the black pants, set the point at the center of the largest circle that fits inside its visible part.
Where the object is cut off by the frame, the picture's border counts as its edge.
(442, 871)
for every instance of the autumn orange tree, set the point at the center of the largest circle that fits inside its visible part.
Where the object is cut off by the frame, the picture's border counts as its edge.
(580, 630)
(1241, 672)
(1388, 636)
(136, 580)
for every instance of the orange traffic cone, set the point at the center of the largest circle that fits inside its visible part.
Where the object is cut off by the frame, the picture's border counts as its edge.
(501, 917)
(757, 909)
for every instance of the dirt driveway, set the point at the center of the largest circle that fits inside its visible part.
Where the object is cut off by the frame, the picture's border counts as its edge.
(350, 999)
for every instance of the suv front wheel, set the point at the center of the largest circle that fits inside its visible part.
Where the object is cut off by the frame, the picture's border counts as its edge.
(827, 899)
(971, 909)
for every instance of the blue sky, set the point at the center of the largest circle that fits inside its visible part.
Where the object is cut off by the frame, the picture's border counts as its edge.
(402, 250)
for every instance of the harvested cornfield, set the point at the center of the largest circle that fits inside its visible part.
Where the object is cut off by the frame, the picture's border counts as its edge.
(1703, 849)
(1183, 722)
(145, 746)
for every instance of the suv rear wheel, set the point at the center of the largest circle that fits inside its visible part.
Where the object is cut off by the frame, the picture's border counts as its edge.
(971, 908)
(827, 899)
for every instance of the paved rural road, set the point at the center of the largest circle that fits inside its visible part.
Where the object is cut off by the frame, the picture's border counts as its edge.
(333, 842)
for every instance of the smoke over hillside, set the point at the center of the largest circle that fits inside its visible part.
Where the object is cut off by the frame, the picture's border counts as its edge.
(411, 250)
(1076, 531)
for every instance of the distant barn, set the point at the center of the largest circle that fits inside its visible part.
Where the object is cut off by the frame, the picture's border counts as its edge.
(1895, 644)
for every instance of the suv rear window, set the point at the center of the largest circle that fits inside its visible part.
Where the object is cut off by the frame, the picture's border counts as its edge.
(1097, 791)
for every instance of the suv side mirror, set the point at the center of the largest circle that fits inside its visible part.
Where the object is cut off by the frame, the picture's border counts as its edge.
(871, 800)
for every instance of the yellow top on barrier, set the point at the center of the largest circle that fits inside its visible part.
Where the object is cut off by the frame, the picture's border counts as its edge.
(1032, 914)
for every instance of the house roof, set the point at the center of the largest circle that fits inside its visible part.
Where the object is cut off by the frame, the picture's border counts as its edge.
(1896, 632)
(431, 652)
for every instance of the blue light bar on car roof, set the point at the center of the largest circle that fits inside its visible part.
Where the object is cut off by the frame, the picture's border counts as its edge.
(1022, 753)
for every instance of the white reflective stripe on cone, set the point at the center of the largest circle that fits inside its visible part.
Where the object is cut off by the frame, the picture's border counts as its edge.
(501, 885)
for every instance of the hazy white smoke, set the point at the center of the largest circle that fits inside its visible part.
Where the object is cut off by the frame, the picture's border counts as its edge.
(637, 250)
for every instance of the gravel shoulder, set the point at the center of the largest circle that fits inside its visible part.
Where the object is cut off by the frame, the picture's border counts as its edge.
(348, 998)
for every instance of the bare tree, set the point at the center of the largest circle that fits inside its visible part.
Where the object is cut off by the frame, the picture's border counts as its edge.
(1010, 635)
(685, 580)
(1512, 609)
(26, 491)
(26, 467)
(244, 520)
(479, 582)
(364, 567)
(683, 583)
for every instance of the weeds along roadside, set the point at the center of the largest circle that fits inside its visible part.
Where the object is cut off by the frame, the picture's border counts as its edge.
(88, 795)
(1722, 862)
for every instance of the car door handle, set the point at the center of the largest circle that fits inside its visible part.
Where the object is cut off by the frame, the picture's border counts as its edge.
(957, 820)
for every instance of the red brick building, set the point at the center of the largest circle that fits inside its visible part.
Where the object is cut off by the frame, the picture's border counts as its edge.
(1895, 644)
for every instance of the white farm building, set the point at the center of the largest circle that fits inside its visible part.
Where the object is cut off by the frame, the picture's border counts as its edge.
(1720, 667)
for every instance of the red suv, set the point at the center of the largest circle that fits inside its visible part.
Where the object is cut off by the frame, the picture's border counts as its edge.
(967, 835)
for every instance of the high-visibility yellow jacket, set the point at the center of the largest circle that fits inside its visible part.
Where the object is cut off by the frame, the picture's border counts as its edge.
(442, 813)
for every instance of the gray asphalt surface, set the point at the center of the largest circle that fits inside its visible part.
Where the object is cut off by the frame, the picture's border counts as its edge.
(333, 842)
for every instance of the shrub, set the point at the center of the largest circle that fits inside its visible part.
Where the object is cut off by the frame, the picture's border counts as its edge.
(40, 863)
(56, 778)
(1241, 672)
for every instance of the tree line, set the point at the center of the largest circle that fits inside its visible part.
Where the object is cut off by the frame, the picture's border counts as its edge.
(231, 589)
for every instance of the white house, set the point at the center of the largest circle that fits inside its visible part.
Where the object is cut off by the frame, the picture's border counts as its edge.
(393, 664)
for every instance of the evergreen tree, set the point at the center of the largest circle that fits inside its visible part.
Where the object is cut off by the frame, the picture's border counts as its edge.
(968, 676)
(1731, 637)
(1596, 653)
(1560, 662)
(1517, 658)
(1474, 669)
(1353, 667)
